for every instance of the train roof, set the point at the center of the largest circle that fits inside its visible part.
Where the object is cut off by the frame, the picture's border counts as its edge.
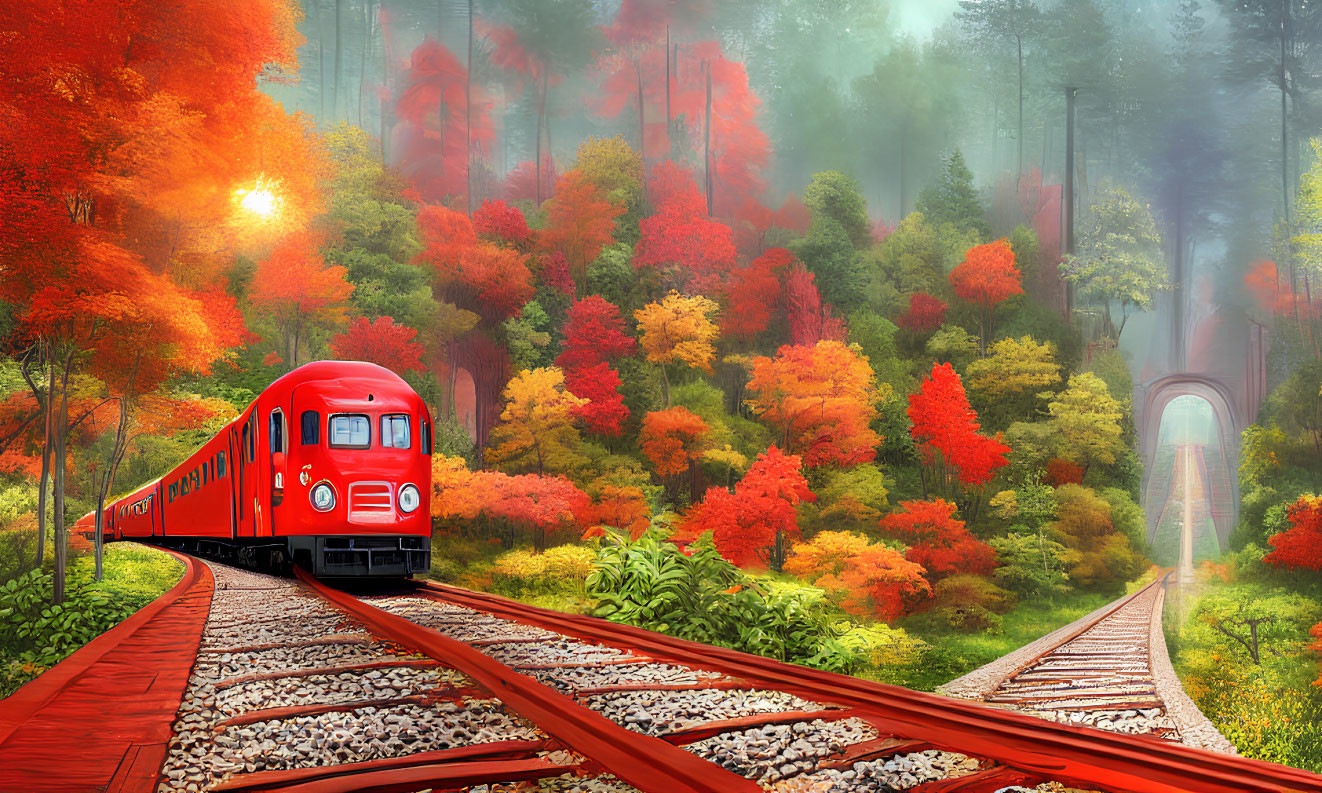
(345, 379)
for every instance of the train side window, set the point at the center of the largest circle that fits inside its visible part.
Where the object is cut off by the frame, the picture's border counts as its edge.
(426, 437)
(310, 428)
(395, 431)
(248, 445)
(350, 432)
(277, 433)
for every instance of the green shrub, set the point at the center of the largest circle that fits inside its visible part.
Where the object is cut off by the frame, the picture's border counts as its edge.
(971, 603)
(701, 597)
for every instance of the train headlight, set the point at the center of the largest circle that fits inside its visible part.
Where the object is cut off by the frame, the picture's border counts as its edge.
(323, 498)
(409, 498)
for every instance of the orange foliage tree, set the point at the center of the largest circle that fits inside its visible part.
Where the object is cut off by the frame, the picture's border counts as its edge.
(673, 439)
(382, 342)
(623, 507)
(986, 277)
(541, 505)
(580, 221)
(754, 525)
(869, 579)
(296, 288)
(821, 399)
(937, 540)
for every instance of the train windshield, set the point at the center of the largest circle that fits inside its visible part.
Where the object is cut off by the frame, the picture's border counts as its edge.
(395, 431)
(350, 432)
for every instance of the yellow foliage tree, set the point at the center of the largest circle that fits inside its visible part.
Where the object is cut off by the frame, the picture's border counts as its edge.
(1087, 419)
(537, 431)
(1015, 367)
(678, 329)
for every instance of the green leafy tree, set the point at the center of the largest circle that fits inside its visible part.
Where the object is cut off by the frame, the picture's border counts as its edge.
(840, 228)
(1119, 259)
(1255, 620)
(953, 199)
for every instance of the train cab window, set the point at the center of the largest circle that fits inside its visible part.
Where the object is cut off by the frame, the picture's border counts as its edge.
(310, 428)
(395, 431)
(350, 432)
(426, 437)
(277, 431)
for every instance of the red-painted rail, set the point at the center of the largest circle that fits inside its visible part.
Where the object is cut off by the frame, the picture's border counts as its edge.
(638, 759)
(1077, 756)
(100, 719)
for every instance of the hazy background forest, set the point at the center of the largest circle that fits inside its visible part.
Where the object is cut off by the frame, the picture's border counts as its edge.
(775, 325)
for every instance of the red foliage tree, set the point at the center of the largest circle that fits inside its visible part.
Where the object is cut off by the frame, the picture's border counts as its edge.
(521, 183)
(437, 135)
(753, 295)
(810, 320)
(555, 273)
(496, 221)
(946, 429)
(595, 333)
(580, 221)
(492, 281)
(382, 342)
(925, 314)
(986, 277)
(605, 413)
(683, 241)
(793, 215)
(1299, 547)
(937, 540)
(754, 525)
(1062, 472)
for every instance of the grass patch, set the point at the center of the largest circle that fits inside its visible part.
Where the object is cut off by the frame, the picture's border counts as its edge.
(1269, 710)
(35, 636)
(955, 653)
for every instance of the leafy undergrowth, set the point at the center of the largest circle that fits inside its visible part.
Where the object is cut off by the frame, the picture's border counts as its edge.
(35, 635)
(1271, 708)
(699, 596)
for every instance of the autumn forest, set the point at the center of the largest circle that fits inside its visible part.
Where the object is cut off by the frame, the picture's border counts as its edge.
(823, 331)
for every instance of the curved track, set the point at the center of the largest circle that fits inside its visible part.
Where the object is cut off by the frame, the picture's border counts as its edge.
(300, 687)
(1107, 670)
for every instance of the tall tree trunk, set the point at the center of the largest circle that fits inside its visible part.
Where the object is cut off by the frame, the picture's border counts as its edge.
(706, 143)
(339, 59)
(48, 411)
(1019, 163)
(668, 67)
(362, 65)
(385, 80)
(61, 549)
(541, 123)
(1285, 157)
(468, 117)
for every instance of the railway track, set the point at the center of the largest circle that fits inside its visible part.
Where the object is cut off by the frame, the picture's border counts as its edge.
(1108, 670)
(303, 688)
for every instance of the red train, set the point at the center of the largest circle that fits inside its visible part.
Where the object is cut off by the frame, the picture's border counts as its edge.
(328, 468)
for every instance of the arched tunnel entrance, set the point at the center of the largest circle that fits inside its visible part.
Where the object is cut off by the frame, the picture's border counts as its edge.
(1189, 429)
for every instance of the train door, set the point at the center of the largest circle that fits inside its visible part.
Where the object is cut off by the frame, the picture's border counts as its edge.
(250, 512)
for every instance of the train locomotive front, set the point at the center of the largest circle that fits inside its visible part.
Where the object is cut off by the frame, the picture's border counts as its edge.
(328, 468)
